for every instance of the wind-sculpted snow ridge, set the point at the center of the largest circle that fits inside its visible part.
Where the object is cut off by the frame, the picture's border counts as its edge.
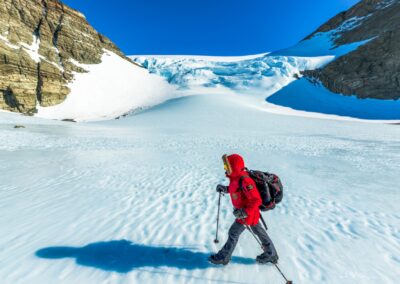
(262, 74)
(133, 200)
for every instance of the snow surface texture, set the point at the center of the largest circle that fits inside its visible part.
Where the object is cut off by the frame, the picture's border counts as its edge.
(109, 89)
(133, 200)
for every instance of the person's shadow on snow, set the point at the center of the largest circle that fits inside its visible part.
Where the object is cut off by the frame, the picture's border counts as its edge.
(123, 256)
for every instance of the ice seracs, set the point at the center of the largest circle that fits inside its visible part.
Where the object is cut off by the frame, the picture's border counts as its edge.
(245, 74)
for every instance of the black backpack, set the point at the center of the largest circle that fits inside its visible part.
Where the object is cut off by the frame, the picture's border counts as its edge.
(269, 186)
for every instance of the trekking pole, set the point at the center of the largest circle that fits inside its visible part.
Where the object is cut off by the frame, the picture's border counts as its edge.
(262, 220)
(251, 231)
(216, 241)
(283, 275)
(254, 235)
(262, 247)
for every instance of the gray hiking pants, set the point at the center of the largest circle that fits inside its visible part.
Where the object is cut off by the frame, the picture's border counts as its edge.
(237, 229)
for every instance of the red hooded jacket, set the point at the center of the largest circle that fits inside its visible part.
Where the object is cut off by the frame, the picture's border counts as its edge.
(248, 197)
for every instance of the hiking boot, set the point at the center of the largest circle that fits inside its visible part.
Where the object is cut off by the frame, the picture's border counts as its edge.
(266, 257)
(218, 259)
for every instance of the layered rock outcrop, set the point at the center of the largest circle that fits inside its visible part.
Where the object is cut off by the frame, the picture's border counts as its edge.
(372, 70)
(42, 43)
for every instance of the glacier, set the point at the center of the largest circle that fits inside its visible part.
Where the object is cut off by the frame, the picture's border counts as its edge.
(263, 74)
(273, 81)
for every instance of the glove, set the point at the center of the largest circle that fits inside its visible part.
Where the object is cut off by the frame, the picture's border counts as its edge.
(240, 213)
(222, 188)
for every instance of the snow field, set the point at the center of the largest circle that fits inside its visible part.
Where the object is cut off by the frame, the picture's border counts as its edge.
(150, 179)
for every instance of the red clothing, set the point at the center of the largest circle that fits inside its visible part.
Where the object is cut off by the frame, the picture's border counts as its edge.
(248, 197)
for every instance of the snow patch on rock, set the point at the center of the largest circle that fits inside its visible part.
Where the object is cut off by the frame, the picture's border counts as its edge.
(385, 3)
(33, 49)
(349, 25)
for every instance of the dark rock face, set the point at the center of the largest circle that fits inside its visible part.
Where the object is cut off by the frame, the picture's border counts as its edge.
(373, 70)
(40, 43)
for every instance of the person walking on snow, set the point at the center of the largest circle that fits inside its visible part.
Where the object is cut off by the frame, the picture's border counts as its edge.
(246, 201)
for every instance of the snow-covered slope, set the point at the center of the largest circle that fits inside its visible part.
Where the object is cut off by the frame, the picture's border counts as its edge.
(133, 200)
(312, 97)
(109, 89)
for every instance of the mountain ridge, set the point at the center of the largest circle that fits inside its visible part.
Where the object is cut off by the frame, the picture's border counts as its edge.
(373, 69)
(42, 44)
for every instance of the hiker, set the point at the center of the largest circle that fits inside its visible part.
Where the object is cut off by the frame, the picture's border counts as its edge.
(246, 201)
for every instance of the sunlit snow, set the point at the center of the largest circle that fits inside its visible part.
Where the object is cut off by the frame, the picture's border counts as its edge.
(133, 200)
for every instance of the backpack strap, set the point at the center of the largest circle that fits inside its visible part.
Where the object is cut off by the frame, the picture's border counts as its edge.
(250, 187)
(241, 181)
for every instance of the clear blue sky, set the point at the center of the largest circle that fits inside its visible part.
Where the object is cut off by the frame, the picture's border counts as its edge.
(207, 27)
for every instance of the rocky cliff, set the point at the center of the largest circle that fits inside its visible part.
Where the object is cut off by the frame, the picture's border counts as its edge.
(42, 43)
(372, 70)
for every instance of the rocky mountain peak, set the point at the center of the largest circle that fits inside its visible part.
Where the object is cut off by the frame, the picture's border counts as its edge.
(372, 70)
(367, 19)
(42, 44)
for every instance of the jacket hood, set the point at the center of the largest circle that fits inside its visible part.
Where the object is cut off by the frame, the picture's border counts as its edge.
(237, 164)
